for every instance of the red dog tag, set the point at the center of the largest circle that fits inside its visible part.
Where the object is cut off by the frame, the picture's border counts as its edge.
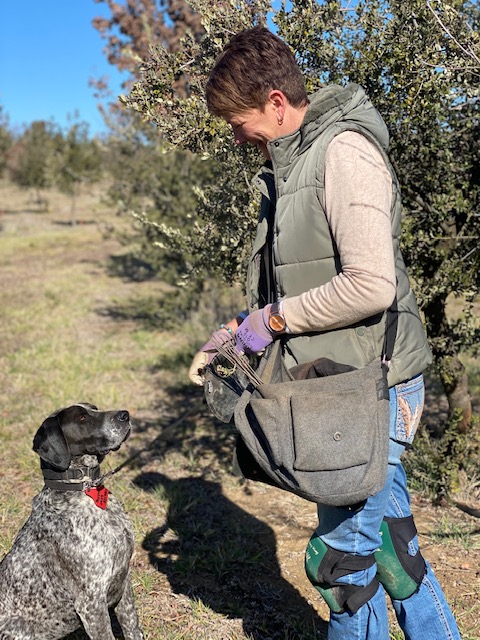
(99, 495)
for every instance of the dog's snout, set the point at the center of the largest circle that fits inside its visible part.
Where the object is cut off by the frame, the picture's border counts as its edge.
(123, 416)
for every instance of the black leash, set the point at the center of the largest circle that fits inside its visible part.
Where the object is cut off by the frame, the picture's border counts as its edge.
(99, 481)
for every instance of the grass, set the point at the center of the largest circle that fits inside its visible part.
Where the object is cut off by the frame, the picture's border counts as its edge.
(449, 531)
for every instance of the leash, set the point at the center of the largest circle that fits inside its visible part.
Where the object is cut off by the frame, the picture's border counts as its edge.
(89, 480)
(100, 480)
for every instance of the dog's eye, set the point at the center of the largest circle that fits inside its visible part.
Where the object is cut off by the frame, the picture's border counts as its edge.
(82, 417)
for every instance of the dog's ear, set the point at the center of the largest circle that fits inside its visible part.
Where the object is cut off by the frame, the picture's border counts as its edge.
(50, 444)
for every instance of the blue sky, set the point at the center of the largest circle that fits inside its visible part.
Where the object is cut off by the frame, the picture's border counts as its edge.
(48, 52)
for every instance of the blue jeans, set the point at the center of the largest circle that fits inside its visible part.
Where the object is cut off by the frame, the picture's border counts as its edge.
(426, 614)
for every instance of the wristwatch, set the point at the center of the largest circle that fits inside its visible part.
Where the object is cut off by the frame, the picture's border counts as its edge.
(276, 319)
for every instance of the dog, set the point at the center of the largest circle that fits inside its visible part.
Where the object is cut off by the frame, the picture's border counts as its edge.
(69, 564)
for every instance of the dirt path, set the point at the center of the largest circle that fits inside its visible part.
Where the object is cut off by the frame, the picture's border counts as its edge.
(216, 558)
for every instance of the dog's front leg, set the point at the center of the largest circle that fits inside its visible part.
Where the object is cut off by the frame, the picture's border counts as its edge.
(93, 612)
(16, 628)
(127, 614)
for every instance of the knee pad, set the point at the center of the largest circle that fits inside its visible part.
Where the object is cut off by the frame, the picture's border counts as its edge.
(324, 565)
(399, 572)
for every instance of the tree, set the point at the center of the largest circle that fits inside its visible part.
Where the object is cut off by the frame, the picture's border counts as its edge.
(29, 157)
(6, 140)
(419, 62)
(76, 160)
(169, 182)
(136, 25)
(217, 233)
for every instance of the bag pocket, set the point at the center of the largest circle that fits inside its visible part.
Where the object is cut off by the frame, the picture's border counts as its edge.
(332, 433)
(410, 399)
(267, 428)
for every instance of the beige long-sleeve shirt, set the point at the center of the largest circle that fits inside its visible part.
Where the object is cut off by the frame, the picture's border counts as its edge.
(358, 196)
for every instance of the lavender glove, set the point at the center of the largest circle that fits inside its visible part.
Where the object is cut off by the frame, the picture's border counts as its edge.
(210, 348)
(254, 334)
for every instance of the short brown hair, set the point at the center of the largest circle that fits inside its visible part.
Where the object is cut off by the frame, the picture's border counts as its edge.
(254, 62)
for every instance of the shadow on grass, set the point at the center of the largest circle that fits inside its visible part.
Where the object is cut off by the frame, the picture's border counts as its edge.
(186, 427)
(130, 267)
(208, 547)
(226, 558)
(23, 210)
(74, 222)
(165, 311)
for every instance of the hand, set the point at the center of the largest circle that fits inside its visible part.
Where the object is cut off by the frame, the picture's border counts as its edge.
(197, 368)
(254, 334)
(205, 356)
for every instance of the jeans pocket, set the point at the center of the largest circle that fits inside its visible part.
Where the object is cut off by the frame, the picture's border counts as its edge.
(410, 399)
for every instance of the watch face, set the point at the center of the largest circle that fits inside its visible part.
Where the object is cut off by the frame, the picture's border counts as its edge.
(277, 322)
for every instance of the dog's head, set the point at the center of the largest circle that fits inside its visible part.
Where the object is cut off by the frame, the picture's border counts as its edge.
(78, 430)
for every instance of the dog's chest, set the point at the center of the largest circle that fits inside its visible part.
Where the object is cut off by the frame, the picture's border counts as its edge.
(68, 545)
(86, 532)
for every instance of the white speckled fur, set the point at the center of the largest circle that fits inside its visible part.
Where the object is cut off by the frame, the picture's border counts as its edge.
(70, 561)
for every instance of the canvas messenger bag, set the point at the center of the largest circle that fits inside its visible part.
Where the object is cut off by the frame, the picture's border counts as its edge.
(319, 430)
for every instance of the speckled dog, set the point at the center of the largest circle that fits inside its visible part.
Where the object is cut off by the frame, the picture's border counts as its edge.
(70, 562)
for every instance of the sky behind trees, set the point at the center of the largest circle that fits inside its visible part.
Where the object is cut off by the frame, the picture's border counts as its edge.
(48, 52)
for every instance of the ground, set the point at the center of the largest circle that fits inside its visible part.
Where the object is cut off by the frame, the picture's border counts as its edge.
(216, 557)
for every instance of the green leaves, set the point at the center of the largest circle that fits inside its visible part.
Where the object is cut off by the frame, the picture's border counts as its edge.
(420, 64)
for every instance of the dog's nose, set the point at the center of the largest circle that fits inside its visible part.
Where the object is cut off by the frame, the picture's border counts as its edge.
(123, 416)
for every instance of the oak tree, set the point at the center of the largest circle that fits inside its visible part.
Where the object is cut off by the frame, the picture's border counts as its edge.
(419, 63)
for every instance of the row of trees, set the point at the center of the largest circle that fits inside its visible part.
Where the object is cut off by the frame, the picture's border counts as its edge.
(42, 155)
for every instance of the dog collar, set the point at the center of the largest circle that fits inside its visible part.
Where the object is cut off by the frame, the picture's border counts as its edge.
(76, 478)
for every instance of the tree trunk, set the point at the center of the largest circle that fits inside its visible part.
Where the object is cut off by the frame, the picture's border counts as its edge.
(452, 372)
(73, 208)
(455, 383)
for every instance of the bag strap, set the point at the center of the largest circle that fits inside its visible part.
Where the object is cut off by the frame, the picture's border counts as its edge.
(270, 359)
(391, 326)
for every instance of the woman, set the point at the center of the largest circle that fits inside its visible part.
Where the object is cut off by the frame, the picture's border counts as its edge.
(325, 267)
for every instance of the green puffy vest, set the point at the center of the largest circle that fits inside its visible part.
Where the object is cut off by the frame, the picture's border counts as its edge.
(293, 250)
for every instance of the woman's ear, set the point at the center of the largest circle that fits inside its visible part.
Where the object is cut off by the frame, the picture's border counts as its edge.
(278, 101)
